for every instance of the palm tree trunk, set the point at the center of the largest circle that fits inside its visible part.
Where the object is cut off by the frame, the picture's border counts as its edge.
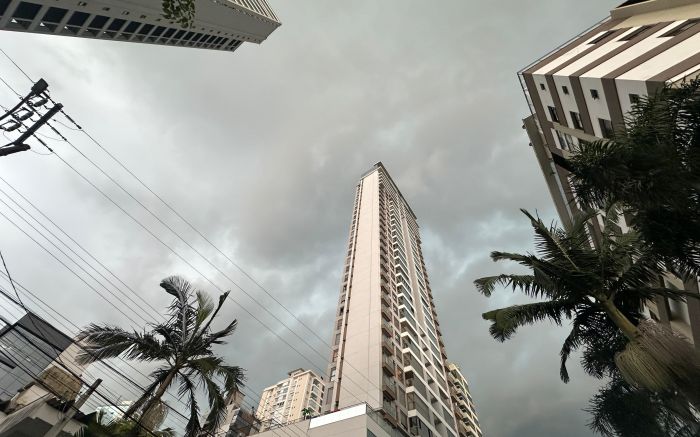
(620, 320)
(160, 392)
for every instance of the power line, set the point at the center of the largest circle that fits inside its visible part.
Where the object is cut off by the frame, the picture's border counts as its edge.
(82, 381)
(320, 369)
(199, 253)
(121, 374)
(76, 243)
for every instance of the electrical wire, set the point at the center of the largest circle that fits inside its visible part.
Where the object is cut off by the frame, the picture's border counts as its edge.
(228, 258)
(318, 368)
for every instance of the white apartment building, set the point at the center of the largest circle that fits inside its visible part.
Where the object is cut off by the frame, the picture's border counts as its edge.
(582, 90)
(109, 413)
(218, 24)
(286, 401)
(465, 412)
(388, 351)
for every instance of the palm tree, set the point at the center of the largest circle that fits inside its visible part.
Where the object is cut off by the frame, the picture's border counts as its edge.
(306, 412)
(601, 288)
(182, 347)
(652, 168)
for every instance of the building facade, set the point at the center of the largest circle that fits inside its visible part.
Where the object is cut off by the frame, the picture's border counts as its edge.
(289, 400)
(107, 414)
(218, 24)
(388, 351)
(28, 348)
(582, 91)
(465, 412)
(238, 422)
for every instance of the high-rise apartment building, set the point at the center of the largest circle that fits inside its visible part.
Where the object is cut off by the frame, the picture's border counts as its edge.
(582, 91)
(288, 400)
(387, 346)
(218, 24)
(465, 412)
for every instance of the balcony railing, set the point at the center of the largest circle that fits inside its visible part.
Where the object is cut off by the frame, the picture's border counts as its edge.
(389, 387)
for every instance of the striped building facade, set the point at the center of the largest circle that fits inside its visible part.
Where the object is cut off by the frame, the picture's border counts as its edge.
(582, 91)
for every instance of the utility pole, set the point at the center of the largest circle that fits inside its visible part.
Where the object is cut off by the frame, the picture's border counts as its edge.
(58, 427)
(23, 111)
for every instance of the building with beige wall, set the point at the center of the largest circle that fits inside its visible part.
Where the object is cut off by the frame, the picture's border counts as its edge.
(465, 412)
(286, 401)
(388, 351)
(583, 90)
(356, 421)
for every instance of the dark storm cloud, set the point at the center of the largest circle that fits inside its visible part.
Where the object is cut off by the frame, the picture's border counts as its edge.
(262, 149)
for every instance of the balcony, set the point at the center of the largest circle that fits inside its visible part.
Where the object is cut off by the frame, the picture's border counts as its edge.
(389, 413)
(387, 328)
(385, 298)
(388, 364)
(387, 345)
(386, 313)
(389, 387)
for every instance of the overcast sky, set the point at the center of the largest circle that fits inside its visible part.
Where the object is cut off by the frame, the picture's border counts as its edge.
(262, 149)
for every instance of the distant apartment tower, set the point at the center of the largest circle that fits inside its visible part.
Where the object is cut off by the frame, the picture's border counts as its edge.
(465, 412)
(387, 345)
(218, 24)
(237, 422)
(581, 92)
(286, 401)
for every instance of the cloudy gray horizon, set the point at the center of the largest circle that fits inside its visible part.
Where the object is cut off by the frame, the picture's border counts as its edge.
(262, 149)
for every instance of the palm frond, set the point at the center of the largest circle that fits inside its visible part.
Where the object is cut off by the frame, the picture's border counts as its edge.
(506, 321)
(188, 389)
(103, 341)
(546, 242)
(205, 307)
(216, 337)
(234, 377)
(525, 283)
(572, 342)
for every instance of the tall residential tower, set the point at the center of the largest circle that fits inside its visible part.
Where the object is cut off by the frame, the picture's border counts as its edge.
(582, 91)
(218, 24)
(387, 346)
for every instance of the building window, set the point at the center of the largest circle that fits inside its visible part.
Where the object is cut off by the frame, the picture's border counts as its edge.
(606, 128)
(542, 87)
(98, 22)
(594, 94)
(565, 89)
(576, 120)
(680, 29)
(565, 140)
(632, 34)
(634, 99)
(602, 37)
(26, 11)
(55, 15)
(553, 114)
(131, 27)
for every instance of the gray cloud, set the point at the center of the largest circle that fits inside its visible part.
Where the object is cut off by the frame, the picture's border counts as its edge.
(262, 150)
